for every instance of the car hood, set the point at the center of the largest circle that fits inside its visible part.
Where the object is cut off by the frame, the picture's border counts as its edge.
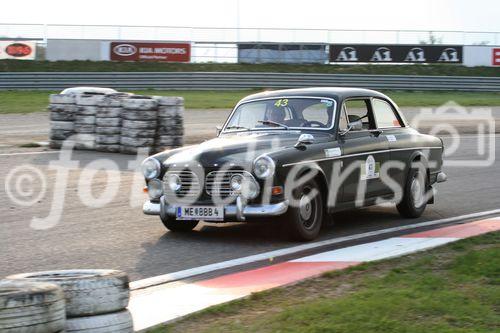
(239, 149)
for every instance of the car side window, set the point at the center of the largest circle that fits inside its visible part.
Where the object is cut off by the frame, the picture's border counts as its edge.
(384, 114)
(358, 109)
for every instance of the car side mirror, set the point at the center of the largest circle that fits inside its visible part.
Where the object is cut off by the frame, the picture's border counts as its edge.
(218, 129)
(304, 139)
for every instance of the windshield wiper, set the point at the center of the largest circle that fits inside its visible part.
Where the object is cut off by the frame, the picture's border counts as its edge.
(270, 122)
(237, 127)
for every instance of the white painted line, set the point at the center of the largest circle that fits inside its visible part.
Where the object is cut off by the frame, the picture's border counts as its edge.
(384, 249)
(161, 279)
(30, 153)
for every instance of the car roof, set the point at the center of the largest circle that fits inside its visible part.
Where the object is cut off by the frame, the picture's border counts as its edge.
(337, 93)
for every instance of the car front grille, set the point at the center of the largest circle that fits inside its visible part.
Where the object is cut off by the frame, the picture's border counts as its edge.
(190, 184)
(218, 183)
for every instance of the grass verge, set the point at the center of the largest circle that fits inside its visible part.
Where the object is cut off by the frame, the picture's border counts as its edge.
(453, 288)
(107, 66)
(20, 101)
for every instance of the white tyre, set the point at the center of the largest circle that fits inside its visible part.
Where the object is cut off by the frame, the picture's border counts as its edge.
(79, 128)
(62, 125)
(87, 110)
(60, 116)
(139, 114)
(81, 137)
(108, 112)
(65, 108)
(133, 150)
(170, 111)
(28, 307)
(138, 133)
(60, 134)
(137, 142)
(108, 139)
(139, 124)
(169, 100)
(140, 103)
(87, 292)
(61, 99)
(108, 130)
(119, 322)
(108, 148)
(164, 141)
(85, 120)
(177, 141)
(87, 99)
(108, 122)
(114, 100)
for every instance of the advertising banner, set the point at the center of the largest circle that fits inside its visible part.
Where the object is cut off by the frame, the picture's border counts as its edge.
(387, 53)
(21, 50)
(495, 60)
(150, 51)
(281, 53)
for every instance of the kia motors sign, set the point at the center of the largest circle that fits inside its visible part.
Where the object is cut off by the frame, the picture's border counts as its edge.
(396, 53)
(146, 51)
(496, 56)
(22, 50)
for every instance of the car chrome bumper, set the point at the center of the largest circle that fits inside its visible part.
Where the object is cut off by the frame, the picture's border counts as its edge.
(230, 211)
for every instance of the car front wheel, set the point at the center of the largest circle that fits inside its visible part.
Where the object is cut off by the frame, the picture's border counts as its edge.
(305, 216)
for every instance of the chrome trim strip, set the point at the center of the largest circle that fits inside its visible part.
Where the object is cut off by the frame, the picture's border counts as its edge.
(357, 154)
(276, 209)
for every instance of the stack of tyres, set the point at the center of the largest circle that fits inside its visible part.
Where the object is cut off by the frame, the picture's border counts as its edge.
(96, 299)
(170, 128)
(62, 116)
(139, 122)
(87, 105)
(108, 123)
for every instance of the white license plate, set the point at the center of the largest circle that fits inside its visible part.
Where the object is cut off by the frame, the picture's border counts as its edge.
(207, 213)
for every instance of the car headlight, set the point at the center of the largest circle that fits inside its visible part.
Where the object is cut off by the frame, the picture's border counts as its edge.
(245, 185)
(174, 182)
(155, 188)
(236, 183)
(263, 167)
(151, 168)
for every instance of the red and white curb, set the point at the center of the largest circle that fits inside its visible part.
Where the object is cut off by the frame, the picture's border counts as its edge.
(163, 303)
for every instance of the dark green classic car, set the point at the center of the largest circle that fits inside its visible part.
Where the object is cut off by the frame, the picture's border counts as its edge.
(297, 155)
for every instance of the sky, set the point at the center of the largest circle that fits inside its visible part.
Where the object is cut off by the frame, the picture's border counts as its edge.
(463, 15)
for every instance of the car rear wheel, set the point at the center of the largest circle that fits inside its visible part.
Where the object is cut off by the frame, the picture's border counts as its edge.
(304, 219)
(178, 225)
(414, 200)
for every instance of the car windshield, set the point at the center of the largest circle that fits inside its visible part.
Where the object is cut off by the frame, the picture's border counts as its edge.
(283, 113)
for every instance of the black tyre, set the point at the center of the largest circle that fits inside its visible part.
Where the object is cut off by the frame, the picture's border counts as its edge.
(304, 219)
(414, 200)
(178, 225)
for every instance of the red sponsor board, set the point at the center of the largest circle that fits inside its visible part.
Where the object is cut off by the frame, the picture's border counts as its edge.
(496, 57)
(144, 51)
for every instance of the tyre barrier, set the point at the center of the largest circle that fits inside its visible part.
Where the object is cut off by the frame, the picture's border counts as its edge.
(108, 123)
(95, 300)
(170, 123)
(63, 112)
(31, 307)
(139, 114)
(116, 122)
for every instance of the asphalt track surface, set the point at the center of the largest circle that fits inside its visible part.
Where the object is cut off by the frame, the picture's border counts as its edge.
(119, 236)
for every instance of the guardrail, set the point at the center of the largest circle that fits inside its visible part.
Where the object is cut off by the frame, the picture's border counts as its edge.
(238, 80)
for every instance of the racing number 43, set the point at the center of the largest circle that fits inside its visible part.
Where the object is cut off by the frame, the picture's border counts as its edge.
(281, 102)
